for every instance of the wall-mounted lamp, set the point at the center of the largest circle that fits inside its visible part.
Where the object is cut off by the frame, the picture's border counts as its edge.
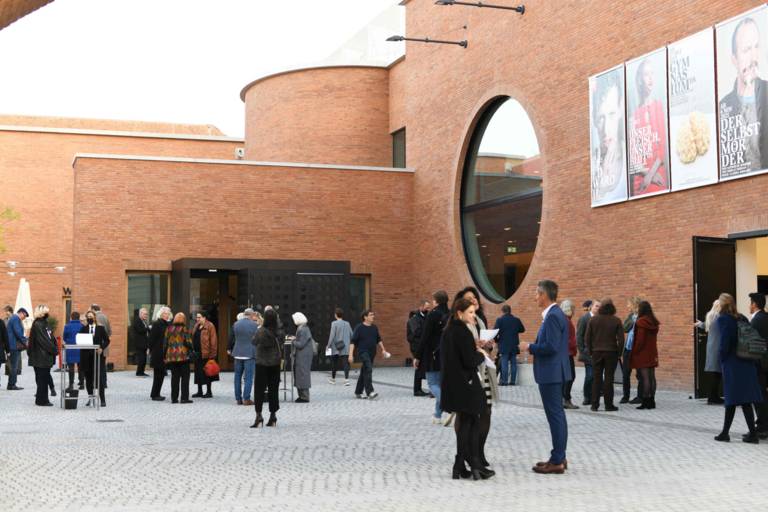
(11, 264)
(59, 269)
(519, 8)
(463, 43)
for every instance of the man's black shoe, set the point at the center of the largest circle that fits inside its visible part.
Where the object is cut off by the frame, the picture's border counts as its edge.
(715, 401)
(762, 434)
(420, 393)
(15, 388)
(158, 398)
(636, 400)
(624, 400)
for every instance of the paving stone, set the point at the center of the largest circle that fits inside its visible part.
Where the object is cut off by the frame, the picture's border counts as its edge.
(340, 453)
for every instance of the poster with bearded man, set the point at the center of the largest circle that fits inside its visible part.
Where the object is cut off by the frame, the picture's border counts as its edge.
(743, 94)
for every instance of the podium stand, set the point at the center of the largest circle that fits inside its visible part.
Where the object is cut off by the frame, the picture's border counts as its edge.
(96, 371)
(287, 361)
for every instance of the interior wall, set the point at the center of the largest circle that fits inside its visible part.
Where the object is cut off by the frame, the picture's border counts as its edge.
(746, 272)
(762, 256)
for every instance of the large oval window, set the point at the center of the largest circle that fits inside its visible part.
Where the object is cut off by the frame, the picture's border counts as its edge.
(501, 199)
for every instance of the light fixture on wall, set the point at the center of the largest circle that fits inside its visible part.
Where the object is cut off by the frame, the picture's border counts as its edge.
(519, 8)
(462, 43)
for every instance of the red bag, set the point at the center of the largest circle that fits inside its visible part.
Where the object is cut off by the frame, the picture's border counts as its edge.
(211, 369)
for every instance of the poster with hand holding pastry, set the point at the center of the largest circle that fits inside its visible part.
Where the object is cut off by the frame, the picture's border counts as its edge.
(692, 119)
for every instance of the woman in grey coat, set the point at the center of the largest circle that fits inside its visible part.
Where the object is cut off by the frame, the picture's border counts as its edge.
(303, 352)
(712, 362)
(338, 341)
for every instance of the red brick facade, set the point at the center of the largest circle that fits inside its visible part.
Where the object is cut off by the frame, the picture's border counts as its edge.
(343, 116)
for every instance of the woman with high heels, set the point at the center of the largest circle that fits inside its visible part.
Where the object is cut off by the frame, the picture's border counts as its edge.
(740, 382)
(269, 355)
(462, 390)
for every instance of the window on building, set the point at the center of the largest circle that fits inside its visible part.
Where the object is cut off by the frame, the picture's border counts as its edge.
(145, 290)
(359, 297)
(501, 199)
(398, 148)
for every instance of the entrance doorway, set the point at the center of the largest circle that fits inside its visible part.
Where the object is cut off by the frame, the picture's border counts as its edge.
(737, 265)
(214, 293)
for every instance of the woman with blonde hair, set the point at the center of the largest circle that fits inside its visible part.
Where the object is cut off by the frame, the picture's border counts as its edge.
(42, 354)
(740, 381)
(712, 361)
(177, 351)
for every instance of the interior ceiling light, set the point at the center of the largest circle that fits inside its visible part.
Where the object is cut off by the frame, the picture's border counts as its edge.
(462, 43)
(519, 8)
(507, 229)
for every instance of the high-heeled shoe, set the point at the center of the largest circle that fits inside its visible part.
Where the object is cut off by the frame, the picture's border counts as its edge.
(480, 472)
(459, 469)
(259, 421)
(272, 421)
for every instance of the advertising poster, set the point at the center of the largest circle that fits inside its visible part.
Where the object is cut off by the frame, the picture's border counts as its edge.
(647, 142)
(607, 135)
(692, 119)
(742, 91)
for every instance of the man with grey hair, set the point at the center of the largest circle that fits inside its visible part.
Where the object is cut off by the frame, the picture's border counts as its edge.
(140, 334)
(244, 352)
(551, 369)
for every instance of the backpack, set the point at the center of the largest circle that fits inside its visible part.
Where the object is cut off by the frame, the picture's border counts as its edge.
(750, 345)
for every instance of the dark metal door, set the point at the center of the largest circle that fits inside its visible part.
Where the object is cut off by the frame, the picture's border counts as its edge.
(318, 295)
(714, 272)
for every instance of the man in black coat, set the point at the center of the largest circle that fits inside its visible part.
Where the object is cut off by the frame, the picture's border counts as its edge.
(157, 352)
(414, 330)
(428, 359)
(760, 323)
(140, 332)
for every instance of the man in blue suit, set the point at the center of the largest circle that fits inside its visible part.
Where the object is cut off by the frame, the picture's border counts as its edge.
(551, 368)
(17, 343)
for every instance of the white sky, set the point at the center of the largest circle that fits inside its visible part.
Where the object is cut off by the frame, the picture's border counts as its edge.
(181, 61)
(510, 132)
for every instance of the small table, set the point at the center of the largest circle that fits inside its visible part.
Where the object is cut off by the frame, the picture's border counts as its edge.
(287, 347)
(96, 371)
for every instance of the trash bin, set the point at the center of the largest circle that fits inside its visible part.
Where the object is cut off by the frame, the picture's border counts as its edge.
(70, 398)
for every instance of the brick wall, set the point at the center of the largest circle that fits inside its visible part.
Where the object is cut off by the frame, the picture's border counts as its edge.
(37, 177)
(543, 59)
(336, 115)
(241, 211)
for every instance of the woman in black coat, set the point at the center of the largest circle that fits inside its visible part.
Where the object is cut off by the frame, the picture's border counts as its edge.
(157, 352)
(269, 354)
(461, 390)
(101, 339)
(42, 354)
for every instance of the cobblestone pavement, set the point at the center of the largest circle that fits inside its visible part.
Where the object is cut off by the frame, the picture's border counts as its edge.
(339, 453)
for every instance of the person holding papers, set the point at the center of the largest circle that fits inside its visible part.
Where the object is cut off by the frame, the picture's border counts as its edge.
(99, 335)
(486, 369)
(461, 389)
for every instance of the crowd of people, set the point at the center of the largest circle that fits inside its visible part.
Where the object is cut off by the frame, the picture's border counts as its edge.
(463, 361)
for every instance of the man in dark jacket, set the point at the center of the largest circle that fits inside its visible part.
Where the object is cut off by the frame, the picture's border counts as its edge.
(414, 330)
(17, 343)
(429, 351)
(7, 312)
(157, 352)
(760, 323)
(140, 332)
(590, 307)
(510, 327)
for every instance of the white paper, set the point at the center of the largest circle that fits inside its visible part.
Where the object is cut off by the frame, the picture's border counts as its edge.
(488, 334)
(84, 339)
(489, 363)
(328, 350)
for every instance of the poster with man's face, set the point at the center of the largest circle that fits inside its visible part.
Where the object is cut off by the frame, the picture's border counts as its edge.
(692, 119)
(742, 90)
(647, 142)
(608, 157)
